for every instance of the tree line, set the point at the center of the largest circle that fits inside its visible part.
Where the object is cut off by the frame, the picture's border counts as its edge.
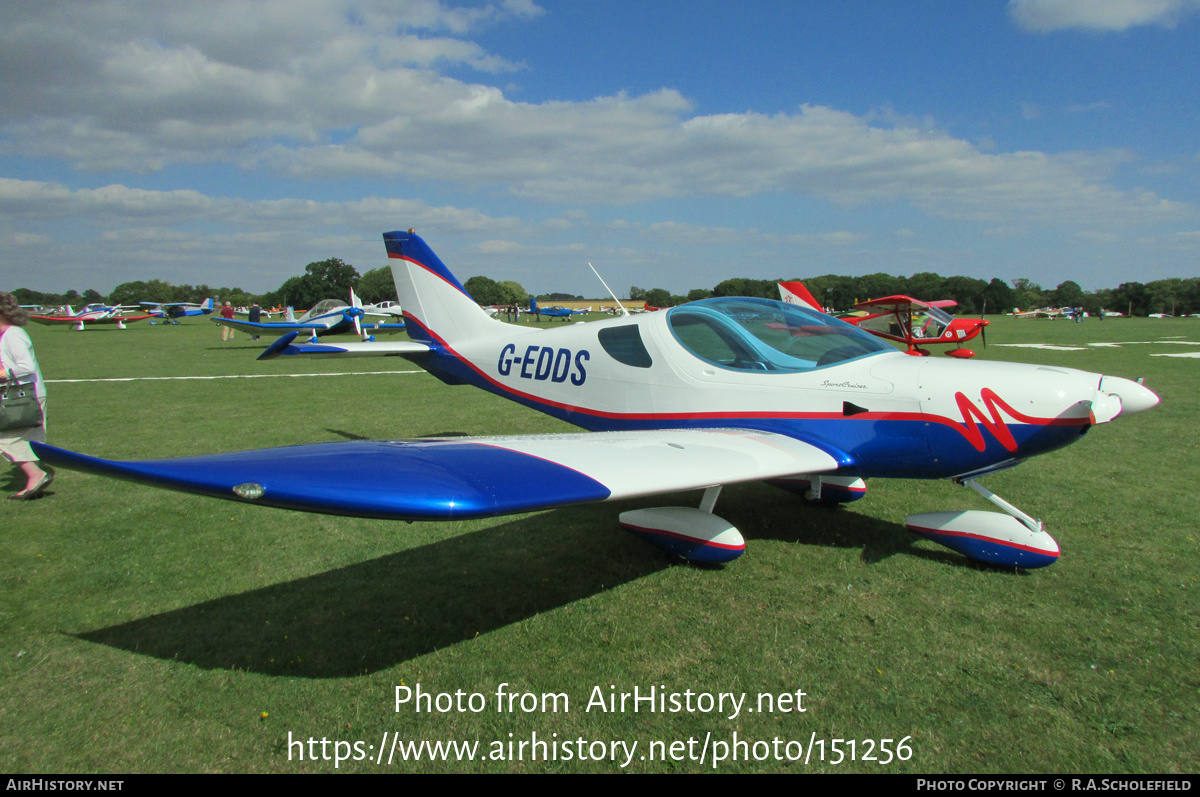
(1176, 296)
(333, 278)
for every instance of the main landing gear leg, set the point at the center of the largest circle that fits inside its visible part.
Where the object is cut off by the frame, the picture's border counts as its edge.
(1032, 524)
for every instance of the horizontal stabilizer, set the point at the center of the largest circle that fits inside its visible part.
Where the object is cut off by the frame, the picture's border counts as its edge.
(285, 346)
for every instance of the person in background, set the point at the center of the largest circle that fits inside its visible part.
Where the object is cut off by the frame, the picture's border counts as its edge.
(255, 317)
(17, 363)
(226, 332)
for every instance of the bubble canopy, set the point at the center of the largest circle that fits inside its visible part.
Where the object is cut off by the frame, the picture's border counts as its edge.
(326, 305)
(744, 334)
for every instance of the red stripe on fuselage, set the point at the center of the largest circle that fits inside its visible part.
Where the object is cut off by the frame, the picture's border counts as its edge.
(968, 428)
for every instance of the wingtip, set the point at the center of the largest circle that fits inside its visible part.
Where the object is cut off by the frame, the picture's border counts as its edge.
(276, 348)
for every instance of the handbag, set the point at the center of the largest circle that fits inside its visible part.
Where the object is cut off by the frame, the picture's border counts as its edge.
(19, 407)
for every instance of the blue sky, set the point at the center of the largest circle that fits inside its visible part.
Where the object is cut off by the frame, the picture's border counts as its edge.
(672, 144)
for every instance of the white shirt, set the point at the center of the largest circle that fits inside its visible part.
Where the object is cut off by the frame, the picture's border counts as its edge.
(16, 352)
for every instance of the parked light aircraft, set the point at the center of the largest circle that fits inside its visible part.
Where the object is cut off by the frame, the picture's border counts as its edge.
(902, 319)
(564, 313)
(710, 393)
(175, 310)
(796, 293)
(93, 314)
(387, 308)
(327, 317)
(916, 324)
(1043, 312)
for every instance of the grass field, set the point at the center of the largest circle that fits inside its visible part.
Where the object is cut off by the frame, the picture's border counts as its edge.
(149, 631)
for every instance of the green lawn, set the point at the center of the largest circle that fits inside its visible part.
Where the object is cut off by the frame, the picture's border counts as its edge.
(149, 631)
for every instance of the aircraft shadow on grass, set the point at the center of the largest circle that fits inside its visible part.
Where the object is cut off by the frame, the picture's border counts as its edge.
(374, 615)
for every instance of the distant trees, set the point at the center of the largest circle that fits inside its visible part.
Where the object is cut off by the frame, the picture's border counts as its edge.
(134, 292)
(744, 286)
(323, 279)
(998, 297)
(485, 290)
(1067, 294)
(659, 297)
(333, 278)
(377, 286)
(1027, 294)
(514, 293)
(26, 296)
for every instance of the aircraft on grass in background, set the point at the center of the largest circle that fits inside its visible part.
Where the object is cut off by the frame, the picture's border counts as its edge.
(171, 311)
(1041, 312)
(91, 315)
(384, 309)
(564, 313)
(327, 317)
(916, 324)
(709, 393)
(902, 319)
(796, 293)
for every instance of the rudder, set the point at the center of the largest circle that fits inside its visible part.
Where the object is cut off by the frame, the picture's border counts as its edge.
(437, 308)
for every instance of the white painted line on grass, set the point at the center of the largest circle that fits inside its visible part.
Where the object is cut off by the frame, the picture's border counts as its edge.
(1049, 346)
(1195, 354)
(1111, 345)
(1117, 345)
(229, 376)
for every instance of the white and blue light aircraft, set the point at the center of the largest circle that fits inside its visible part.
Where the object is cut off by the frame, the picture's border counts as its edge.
(710, 393)
(564, 313)
(327, 317)
(170, 312)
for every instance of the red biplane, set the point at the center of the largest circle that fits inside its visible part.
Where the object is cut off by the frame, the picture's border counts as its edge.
(916, 324)
(903, 319)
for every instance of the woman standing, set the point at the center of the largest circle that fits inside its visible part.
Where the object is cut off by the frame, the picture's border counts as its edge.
(18, 363)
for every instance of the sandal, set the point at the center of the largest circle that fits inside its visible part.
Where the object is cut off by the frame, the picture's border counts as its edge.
(36, 491)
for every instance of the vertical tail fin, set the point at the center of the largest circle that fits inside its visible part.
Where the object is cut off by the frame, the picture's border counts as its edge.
(796, 293)
(437, 308)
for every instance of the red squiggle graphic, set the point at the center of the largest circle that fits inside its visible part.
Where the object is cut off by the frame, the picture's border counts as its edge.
(995, 425)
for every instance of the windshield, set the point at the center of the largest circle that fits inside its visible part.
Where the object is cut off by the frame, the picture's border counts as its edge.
(764, 335)
(325, 305)
(925, 321)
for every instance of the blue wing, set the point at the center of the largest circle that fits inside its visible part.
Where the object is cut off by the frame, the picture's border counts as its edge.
(470, 477)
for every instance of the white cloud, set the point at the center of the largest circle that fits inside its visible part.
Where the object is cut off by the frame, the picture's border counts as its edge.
(1099, 15)
(28, 239)
(350, 88)
(117, 233)
(678, 233)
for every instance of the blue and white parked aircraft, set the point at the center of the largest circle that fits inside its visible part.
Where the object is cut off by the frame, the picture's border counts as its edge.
(327, 317)
(170, 311)
(564, 313)
(710, 393)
